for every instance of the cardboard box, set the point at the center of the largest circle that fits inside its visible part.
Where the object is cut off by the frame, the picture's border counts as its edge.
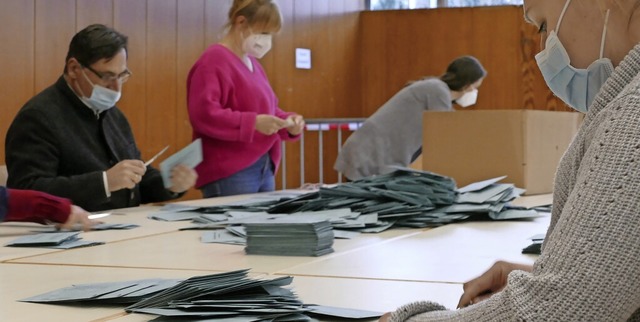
(525, 145)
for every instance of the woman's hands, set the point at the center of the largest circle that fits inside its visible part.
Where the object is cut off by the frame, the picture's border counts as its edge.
(296, 124)
(269, 124)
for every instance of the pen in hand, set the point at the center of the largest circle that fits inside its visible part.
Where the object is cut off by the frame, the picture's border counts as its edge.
(146, 164)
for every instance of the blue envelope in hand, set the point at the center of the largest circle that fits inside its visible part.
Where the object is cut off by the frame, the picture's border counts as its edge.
(190, 156)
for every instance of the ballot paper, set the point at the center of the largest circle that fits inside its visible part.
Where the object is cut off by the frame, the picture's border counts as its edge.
(190, 156)
(403, 198)
(78, 227)
(62, 240)
(229, 297)
(510, 214)
(112, 292)
(225, 295)
(480, 185)
(340, 312)
(222, 236)
(536, 245)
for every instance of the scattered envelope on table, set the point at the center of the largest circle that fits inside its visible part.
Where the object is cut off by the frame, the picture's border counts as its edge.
(190, 156)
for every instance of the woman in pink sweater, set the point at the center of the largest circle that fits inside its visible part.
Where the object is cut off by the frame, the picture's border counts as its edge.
(233, 108)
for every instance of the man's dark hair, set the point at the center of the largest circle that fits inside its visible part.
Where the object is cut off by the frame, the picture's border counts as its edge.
(463, 71)
(94, 43)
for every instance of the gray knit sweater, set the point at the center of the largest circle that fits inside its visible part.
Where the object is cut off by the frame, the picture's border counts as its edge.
(589, 269)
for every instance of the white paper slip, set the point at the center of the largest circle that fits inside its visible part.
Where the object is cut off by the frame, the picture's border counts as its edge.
(100, 215)
(190, 156)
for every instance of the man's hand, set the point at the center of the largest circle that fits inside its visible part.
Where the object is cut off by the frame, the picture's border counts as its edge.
(125, 174)
(269, 124)
(78, 216)
(298, 124)
(489, 283)
(182, 178)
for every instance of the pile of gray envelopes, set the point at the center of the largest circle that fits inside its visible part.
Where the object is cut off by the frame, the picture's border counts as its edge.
(230, 296)
(404, 198)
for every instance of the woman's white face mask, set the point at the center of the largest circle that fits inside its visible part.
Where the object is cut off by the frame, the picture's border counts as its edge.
(468, 98)
(257, 45)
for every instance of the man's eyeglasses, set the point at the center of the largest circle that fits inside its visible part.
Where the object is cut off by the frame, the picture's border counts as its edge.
(108, 77)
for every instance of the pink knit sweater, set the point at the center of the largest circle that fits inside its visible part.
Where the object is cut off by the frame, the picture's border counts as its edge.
(224, 97)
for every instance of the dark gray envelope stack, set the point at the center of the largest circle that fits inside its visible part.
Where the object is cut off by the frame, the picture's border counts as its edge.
(402, 198)
(225, 297)
(289, 236)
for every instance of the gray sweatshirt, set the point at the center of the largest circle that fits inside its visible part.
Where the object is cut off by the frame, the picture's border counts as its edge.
(393, 133)
(589, 269)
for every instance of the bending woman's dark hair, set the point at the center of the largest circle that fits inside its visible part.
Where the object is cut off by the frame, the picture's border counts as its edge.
(463, 71)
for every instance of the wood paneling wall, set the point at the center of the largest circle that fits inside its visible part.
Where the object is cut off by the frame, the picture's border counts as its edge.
(359, 60)
(404, 45)
(165, 39)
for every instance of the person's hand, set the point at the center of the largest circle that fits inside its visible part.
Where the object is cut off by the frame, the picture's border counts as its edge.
(78, 216)
(269, 124)
(182, 178)
(385, 317)
(298, 124)
(489, 283)
(125, 174)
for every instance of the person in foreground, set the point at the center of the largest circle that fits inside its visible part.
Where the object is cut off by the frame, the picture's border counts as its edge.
(40, 207)
(392, 136)
(70, 140)
(589, 269)
(233, 109)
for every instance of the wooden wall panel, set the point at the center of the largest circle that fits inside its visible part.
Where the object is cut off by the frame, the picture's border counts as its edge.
(165, 39)
(129, 18)
(16, 60)
(403, 45)
(359, 60)
(329, 89)
(161, 60)
(93, 11)
(499, 50)
(216, 12)
(190, 45)
(54, 27)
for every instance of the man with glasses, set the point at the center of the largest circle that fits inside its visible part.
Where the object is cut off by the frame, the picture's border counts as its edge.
(71, 140)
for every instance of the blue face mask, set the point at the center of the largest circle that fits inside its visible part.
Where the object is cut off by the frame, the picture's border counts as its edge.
(101, 98)
(576, 87)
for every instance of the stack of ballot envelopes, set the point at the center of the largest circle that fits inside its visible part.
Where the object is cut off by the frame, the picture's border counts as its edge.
(402, 198)
(229, 296)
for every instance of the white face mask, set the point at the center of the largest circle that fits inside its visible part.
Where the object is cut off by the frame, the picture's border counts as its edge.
(257, 45)
(468, 99)
(101, 98)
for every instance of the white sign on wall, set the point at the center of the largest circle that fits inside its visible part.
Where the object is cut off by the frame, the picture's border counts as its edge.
(303, 58)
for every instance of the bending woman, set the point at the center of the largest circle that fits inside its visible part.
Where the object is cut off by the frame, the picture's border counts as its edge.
(392, 136)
